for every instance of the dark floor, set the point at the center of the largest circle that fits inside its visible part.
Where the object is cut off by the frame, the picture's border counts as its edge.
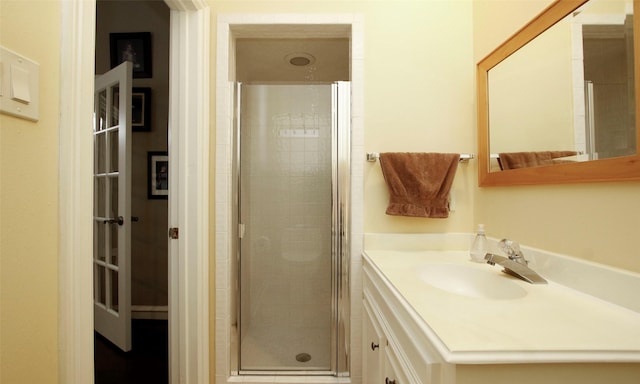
(146, 363)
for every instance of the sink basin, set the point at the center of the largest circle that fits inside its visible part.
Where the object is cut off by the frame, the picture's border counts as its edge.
(471, 282)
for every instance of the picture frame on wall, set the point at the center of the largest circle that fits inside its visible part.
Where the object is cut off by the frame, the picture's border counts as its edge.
(141, 109)
(158, 175)
(134, 47)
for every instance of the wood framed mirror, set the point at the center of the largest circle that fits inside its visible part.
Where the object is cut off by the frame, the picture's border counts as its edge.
(540, 120)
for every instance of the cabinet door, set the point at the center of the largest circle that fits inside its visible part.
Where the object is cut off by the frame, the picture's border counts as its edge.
(373, 344)
(393, 372)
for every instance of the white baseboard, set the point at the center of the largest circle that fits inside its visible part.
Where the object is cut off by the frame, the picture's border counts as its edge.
(150, 312)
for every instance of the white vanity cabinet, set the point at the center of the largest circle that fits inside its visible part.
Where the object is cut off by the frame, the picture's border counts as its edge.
(417, 334)
(374, 344)
(395, 349)
(380, 361)
(394, 373)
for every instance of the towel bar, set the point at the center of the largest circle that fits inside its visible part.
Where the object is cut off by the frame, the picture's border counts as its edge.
(464, 157)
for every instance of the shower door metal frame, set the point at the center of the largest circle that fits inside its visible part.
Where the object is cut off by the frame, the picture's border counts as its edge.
(341, 225)
(340, 235)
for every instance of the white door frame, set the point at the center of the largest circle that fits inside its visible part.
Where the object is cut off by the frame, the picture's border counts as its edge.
(188, 204)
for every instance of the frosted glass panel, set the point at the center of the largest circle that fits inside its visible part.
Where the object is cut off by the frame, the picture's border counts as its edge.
(286, 173)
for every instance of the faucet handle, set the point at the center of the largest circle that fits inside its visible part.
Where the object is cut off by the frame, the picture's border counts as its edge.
(516, 247)
(507, 246)
(512, 249)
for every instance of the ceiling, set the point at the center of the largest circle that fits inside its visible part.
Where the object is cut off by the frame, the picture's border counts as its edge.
(267, 59)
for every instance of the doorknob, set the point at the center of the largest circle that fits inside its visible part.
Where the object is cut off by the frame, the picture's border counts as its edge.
(119, 220)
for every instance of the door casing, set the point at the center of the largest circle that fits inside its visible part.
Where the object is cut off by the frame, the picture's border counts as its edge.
(188, 202)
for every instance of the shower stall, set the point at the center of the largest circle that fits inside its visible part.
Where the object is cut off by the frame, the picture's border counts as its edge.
(292, 219)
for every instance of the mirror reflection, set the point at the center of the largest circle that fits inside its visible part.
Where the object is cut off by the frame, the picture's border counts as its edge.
(567, 95)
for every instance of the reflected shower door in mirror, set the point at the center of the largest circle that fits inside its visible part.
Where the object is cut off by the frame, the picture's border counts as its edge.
(567, 95)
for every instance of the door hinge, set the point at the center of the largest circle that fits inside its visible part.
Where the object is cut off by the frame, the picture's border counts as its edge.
(241, 230)
(173, 233)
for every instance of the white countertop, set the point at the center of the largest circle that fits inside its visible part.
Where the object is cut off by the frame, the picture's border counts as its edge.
(551, 323)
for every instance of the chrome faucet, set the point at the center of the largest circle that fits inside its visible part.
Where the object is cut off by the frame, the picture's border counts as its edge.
(515, 264)
(512, 249)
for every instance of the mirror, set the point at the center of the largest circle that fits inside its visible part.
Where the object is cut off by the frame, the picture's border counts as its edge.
(557, 101)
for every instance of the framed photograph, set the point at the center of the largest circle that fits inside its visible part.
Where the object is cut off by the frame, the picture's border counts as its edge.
(141, 109)
(158, 183)
(134, 47)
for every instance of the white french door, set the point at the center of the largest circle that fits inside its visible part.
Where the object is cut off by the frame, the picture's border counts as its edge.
(112, 205)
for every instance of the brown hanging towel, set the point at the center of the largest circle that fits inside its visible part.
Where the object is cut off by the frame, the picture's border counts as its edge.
(419, 183)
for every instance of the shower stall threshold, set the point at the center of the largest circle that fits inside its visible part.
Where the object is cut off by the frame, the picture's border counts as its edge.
(287, 373)
(306, 377)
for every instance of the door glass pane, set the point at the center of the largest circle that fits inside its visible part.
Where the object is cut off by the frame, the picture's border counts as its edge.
(113, 276)
(114, 244)
(99, 284)
(100, 198)
(101, 113)
(100, 241)
(115, 106)
(113, 189)
(100, 153)
(113, 146)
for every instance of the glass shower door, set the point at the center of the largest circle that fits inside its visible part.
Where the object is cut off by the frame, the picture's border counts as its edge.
(285, 210)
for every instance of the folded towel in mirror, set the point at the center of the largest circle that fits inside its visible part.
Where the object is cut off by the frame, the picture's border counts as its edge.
(514, 160)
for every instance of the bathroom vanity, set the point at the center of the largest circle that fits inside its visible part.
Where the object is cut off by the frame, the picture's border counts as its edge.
(433, 316)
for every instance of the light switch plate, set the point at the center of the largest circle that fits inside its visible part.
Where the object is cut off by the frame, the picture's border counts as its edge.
(19, 82)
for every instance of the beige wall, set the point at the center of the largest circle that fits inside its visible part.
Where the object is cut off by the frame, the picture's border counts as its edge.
(418, 98)
(597, 222)
(29, 204)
